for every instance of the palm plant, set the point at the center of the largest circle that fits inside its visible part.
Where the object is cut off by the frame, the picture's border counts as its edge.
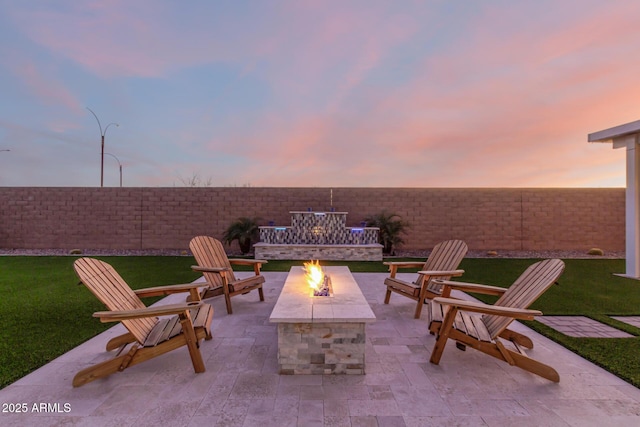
(391, 226)
(245, 230)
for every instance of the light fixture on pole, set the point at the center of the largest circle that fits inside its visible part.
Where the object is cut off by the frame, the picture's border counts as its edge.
(6, 149)
(119, 164)
(102, 134)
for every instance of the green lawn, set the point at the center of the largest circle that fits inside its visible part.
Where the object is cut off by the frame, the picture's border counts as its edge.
(44, 313)
(586, 288)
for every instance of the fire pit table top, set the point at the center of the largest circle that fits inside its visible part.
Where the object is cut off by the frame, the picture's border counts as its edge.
(347, 304)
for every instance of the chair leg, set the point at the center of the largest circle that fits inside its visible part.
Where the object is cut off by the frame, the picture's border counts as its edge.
(434, 327)
(514, 358)
(120, 341)
(438, 348)
(388, 296)
(100, 370)
(227, 301)
(421, 300)
(535, 367)
(443, 336)
(207, 326)
(261, 293)
(517, 338)
(418, 312)
(192, 342)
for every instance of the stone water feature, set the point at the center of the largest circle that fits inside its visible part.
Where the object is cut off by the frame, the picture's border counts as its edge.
(319, 235)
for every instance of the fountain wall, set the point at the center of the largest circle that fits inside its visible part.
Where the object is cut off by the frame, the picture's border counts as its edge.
(319, 235)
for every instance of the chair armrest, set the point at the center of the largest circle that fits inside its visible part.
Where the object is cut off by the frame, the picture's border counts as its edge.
(395, 265)
(209, 269)
(404, 264)
(454, 273)
(247, 261)
(478, 307)
(257, 263)
(168, 290)
(473, 287)
(162, 310)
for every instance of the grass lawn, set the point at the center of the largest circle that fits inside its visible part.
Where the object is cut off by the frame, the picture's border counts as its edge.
(44, 313)
(586, 288)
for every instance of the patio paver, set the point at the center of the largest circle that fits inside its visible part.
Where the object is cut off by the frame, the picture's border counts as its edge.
(241, 386)
(581, 326)
(630, 320)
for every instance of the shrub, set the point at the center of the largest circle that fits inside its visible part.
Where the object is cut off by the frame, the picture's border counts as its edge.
(245, 231)
(391, 226)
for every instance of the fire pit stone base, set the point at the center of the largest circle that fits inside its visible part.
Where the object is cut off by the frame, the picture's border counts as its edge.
(321, 348)
(321, 335)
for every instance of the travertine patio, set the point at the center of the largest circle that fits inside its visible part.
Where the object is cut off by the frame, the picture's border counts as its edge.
(401, 388)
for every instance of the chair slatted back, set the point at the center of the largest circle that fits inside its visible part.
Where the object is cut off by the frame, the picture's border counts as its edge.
(445, 256)
(107, 285)
(209, 252)
(525, 290)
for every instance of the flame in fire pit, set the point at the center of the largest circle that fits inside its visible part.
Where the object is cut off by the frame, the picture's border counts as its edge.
(315, 275)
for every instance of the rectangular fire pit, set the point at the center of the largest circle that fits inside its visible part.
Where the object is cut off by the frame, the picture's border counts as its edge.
(323, 334)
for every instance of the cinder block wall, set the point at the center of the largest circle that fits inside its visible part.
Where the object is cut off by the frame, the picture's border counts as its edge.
(167, 218)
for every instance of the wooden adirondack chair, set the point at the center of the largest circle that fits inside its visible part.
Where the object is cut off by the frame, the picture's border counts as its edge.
(151, 336)
(441, 264)
(216, 268)
(450, 318)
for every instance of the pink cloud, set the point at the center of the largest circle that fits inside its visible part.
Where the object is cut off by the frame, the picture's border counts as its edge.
(497, 98)
(44, 85)
(120, 38)
(482, 123)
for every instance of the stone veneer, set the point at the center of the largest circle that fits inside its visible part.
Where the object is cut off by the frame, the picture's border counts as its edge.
(322, 252)
(321, 348)
(321, 335)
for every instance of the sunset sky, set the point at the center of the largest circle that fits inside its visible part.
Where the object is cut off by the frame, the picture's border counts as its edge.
(371, 93)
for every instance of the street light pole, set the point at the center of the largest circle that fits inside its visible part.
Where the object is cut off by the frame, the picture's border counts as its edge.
(102, 134)
(119, 164)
